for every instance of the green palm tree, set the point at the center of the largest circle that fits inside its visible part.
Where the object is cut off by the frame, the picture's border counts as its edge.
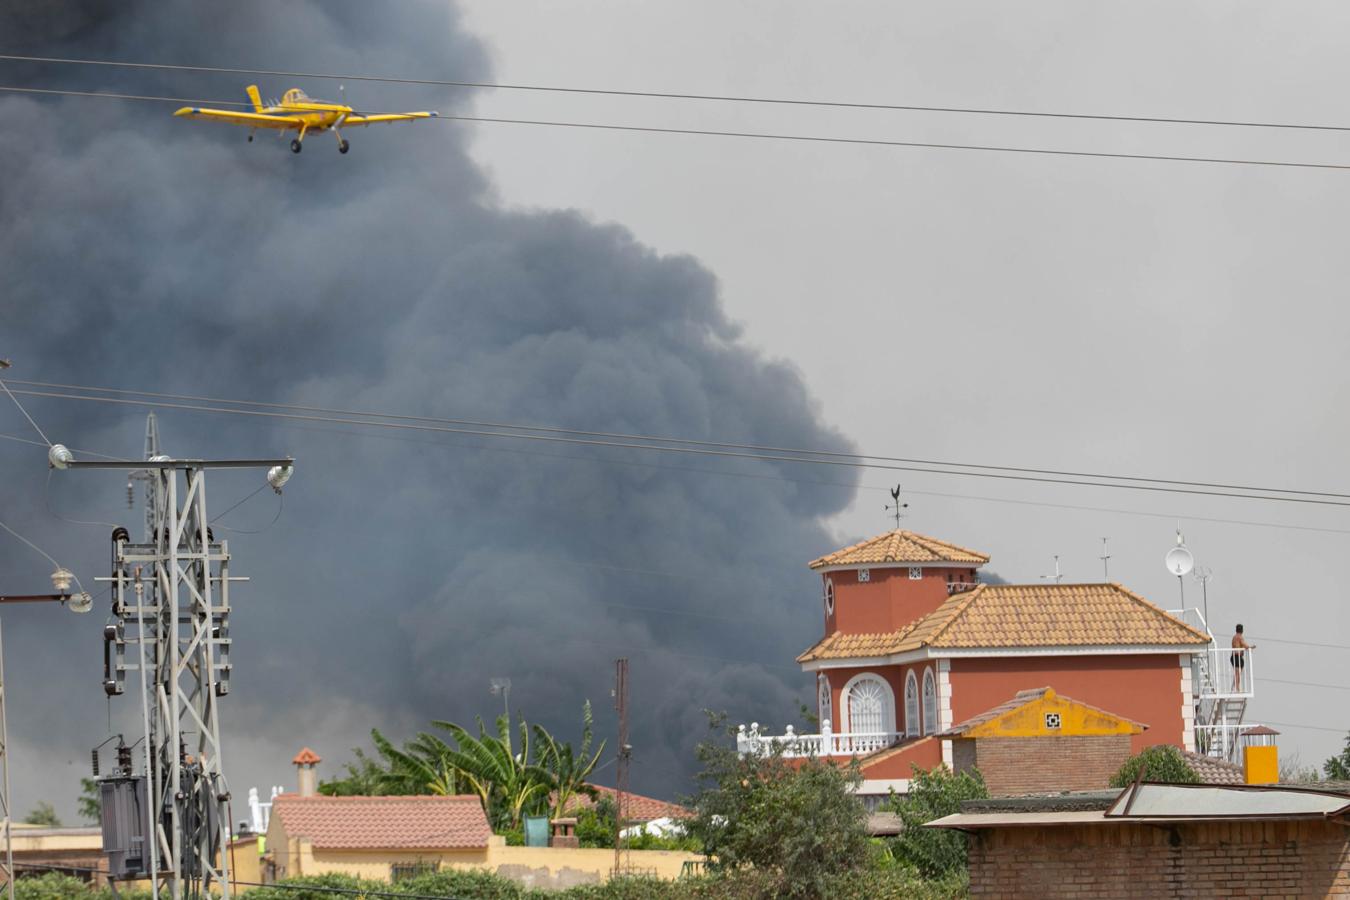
(568, 771)
(507, 783)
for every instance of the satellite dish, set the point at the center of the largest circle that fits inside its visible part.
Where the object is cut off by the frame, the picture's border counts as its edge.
(1179, 561)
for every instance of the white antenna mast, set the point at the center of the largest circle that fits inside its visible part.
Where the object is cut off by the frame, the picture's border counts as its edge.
(1058, 576)
(1105, 558)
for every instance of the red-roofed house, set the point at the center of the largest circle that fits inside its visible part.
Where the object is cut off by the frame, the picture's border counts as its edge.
(913, 643)
(398, 835)
(637, 808)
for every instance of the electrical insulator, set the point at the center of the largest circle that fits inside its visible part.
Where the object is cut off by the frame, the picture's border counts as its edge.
(94, 754)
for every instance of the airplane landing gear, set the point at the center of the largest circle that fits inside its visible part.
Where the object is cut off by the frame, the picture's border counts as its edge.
(343, 146)
(295, 146)
(250, 138)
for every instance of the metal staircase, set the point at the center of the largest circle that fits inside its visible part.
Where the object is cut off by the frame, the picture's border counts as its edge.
(1222, 682)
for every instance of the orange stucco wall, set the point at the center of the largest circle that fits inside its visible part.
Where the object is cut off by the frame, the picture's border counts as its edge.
(1146, 688)
(889, 600)
(894, 676)
(925, 753)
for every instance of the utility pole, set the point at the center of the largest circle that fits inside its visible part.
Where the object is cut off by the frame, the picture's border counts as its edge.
(80, 602)
(621, 763)
(174, 587)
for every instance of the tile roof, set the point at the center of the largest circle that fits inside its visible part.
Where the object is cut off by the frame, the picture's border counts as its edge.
(997, 616)
(1213, 771)
(900, 547)
(384, 823)
(306, 757)
(637, 808)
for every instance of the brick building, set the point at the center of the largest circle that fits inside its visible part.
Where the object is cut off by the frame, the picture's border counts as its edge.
(1040, 742)
(914, 643)
(1161, 841)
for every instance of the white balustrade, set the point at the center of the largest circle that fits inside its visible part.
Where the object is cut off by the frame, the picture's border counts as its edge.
(827, 743)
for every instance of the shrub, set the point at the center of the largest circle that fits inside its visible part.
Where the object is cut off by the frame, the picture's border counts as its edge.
(798, 819)
(934, 852)
(1161, 762)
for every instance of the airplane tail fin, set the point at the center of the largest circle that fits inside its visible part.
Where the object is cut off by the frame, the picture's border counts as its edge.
(256, 98)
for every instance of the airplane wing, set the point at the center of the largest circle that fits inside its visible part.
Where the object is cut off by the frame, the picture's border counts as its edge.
(386, 117)
(253, 120)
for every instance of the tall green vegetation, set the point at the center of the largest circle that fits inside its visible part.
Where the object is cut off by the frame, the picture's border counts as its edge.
(798, 819)
(514, 772)
(1338, 767)
(933, 852)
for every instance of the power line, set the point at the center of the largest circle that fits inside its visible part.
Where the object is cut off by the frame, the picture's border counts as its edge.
(760, 135)
(676, 95)
(1272, 640)
(25, 412)
(699, 451)
(1337, 687)
(1308, 727)
(552, 429)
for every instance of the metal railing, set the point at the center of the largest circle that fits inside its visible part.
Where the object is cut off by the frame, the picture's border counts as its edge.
(827, 743)
(1226, 672)
(1222, 740)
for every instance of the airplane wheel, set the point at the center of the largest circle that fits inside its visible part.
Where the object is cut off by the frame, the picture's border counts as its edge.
(343, 147)
(295, 146)
(250, 138)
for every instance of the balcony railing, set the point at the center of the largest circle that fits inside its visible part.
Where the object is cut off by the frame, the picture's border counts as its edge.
(1226, 672)
(827, 743)
(1223, 740)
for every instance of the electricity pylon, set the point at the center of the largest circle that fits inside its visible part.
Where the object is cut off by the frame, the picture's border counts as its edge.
(175, 588)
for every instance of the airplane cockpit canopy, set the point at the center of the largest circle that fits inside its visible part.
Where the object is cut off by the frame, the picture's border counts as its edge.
(295, 95)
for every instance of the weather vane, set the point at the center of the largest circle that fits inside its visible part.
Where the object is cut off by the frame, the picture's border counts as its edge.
(897, 509)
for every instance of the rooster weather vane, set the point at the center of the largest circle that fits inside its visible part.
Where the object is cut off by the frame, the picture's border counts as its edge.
(897, 509)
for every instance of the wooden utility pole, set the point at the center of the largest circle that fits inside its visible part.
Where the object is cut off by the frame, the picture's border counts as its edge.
(621, 763)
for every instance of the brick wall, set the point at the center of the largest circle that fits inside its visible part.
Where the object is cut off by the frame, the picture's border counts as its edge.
(1225, 859)
(1043, 764)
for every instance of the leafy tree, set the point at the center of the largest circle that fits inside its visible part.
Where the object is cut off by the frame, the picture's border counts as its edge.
(934, 852)
(91, 809)
(43, 814)
(1161, 762)
(1338, 767)
(568, 770)
(368, 776)
(800, 819)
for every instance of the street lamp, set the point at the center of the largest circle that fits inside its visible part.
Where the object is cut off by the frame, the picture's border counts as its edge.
(79, 602)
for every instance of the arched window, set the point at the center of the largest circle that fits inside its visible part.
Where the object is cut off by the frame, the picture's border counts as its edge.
(911, 704)
(867, 705)
(824, 705)
(829, 596)
(930, 712)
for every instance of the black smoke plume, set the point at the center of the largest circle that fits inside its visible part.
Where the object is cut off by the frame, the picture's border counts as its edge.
(406, 568)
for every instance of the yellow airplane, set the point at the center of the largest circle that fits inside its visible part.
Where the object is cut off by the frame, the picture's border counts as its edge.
(297, 112)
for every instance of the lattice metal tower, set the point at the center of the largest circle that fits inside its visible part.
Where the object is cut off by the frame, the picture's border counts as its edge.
(174, 589)
(152, 450)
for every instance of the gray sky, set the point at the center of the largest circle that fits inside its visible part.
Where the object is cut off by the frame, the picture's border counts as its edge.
(1165, 319)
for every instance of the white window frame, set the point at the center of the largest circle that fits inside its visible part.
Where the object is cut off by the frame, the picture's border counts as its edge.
(829, 596)
(824, 702)
(915, 573)
(912, 727)
(888, 703)
(930, 701)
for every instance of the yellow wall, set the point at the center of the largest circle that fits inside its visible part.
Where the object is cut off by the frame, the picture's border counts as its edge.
(545, 867)
(1261, 765)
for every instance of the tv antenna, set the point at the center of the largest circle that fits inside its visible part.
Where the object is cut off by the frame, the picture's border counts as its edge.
(1105, 558)
(1058, 576)
(1180, 562)
(896, 509)
(1203, 574)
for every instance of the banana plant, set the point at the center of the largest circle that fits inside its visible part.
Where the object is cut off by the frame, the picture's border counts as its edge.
(506, 782)
(569, 770)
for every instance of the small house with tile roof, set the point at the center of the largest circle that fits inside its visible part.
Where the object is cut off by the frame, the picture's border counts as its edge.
(913, 643)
